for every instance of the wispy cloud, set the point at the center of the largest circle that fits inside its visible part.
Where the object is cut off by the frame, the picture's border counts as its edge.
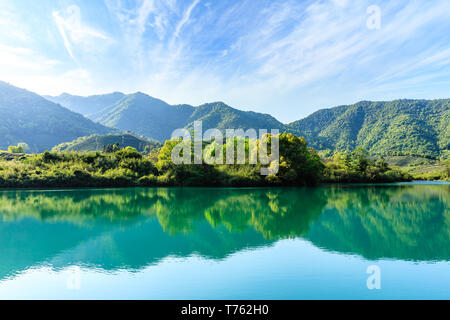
(300, 55)
(74, 32)
(186, 18)
(10, 26)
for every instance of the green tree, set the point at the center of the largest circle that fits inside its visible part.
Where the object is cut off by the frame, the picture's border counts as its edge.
(20, 148)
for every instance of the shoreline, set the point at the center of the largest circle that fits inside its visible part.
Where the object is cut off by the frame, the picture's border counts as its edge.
(322, 185)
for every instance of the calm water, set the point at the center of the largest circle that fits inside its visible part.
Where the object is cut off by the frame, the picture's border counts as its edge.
(226, 243)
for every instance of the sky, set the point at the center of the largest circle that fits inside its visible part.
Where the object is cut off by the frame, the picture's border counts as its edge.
(287, 58)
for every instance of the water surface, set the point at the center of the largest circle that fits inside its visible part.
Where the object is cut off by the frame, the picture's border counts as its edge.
(282, 243)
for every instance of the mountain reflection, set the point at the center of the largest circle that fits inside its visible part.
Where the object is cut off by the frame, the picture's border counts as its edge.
(132, 228)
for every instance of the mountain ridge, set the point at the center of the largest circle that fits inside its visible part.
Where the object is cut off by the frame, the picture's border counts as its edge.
(405, 126)
(30, 118)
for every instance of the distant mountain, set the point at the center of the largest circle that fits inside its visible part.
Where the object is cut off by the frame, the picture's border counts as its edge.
(98, 143)
(419, 127)
(219, 115)
(156, 119)
(412, 127)
(87, 105)
(28, 117)
(145, 115)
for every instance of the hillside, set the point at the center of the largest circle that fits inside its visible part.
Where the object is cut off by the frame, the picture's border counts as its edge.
(145, 115)
(416, 127)
(402, 127)
(156, 119)
(219, 115)
(98, 143)
(28, 117)
(86, 105)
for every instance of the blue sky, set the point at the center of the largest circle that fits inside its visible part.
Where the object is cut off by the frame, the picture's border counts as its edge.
(286, 58)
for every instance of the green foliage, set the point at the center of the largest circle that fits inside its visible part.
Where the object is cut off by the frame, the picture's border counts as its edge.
(359, 167)
(109, 143)
(20, 148)
(395, 128)
(41, 124)
(156, 119)
(433, 171)
(299, 166)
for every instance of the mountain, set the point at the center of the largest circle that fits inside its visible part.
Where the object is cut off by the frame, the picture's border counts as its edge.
(156, 119)
(417, 127)
(219, 115)
(98, 143)
(145, 115)
(87, 105)
(400, 127)
(28, 117)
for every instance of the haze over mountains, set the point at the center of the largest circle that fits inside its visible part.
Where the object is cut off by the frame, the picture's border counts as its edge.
(28, 117)
(157, 119)
(86, 105)
(418, 127)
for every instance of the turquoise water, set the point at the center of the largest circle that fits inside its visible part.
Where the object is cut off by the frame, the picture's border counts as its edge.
(311, 243)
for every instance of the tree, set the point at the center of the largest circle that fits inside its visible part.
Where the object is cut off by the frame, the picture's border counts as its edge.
(361, 157)
(111, 148)
(20, 148)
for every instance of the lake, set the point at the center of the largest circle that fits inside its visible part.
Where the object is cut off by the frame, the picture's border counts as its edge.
(274, 243)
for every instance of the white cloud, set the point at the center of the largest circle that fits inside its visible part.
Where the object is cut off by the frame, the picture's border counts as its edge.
(10, 26)
(75, 32)
(186, 18)
(293, 47)
(22, 60)
(249, 54)
(79, 81)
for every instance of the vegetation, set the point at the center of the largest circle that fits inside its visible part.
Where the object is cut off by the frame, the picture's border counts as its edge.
(21, 148)
(358, 166)
(156, 119)
(415, 133)
(41, 124)
(110, 143)
(145, 115)
(395, 128)
(298, 166)
(419, 128)
(436, 171)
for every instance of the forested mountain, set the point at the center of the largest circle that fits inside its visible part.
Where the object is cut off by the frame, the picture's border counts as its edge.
(28, 117)
(219, 115)
(400, 127)
(87, 105)
(100, 142)
(156, 119)
(145, 115)
(417, 127)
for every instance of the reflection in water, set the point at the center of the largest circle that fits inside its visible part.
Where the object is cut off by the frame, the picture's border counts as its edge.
(132, 228)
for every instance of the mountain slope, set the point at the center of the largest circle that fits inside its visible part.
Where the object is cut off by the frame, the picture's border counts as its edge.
(86, 105)
(98, 143)
(413, 127)
(419, 127)
(28, 117)
(156, 119)
(145, 115)
(219, 115)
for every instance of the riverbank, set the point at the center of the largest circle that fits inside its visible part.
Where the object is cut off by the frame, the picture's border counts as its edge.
(128, 168)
